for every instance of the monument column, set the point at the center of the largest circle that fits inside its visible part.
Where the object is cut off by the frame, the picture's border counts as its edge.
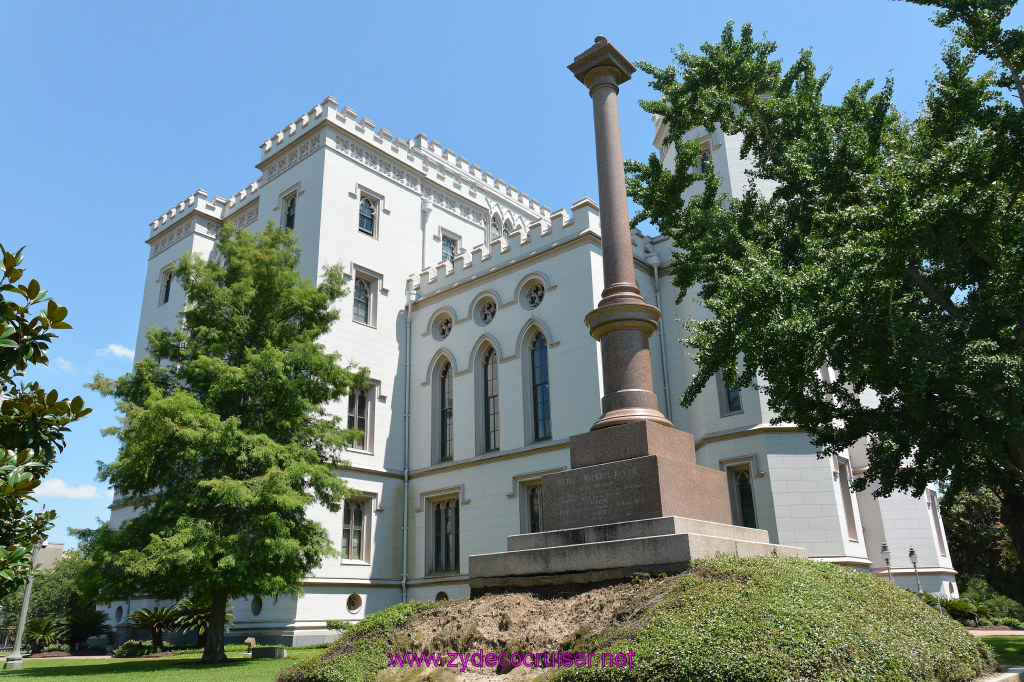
(634, 499)
(623, 321)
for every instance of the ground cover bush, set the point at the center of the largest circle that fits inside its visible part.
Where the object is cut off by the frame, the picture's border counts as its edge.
(770, 619)
(133, 648)
(731, 620)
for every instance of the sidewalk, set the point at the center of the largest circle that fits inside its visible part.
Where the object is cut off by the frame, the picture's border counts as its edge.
(992, 632)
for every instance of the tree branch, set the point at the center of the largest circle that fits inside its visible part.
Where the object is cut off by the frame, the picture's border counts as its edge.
(930, 291)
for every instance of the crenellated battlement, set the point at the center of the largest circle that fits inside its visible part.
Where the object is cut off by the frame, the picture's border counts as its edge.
(218, 208)
(430, 162)
(540, 235)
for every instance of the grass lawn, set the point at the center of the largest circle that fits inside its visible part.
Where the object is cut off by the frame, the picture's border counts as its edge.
(169, 669)
(1009, 648)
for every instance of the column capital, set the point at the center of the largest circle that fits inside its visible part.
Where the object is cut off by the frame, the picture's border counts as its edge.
(603, 59)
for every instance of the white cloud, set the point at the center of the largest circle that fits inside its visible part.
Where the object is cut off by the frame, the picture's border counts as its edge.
(109, 492)
(64, 364)
(118, 350)
(54, 487)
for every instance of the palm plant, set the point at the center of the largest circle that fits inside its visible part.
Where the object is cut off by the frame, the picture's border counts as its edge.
(42, 631)
(193, 613)
(84, 623)
(156, 620)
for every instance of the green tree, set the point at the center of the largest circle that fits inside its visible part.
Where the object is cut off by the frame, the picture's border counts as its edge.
(157, 620)
(979, 545)
(55, 592)
(33, 422)
(890, 249)
(225, 438)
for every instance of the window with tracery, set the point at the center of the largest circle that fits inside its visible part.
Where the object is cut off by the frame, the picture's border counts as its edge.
(541, 395)
(445, 445)
(490, 408)
(368, 215)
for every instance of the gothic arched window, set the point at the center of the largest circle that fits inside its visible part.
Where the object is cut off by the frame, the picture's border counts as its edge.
(541, 395)
(361, 302)
(490, 407)
(445, 431)
(367, 215)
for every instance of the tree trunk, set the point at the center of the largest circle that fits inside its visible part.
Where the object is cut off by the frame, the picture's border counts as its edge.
(1012, 515)
(213, 652)
(158, 638)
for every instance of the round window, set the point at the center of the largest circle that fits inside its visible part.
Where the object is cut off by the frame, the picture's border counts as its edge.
(487, 311)
(442, 327)
(119, 614)
(354, 603)
(534, 295)
(441, 596)
(256, 606)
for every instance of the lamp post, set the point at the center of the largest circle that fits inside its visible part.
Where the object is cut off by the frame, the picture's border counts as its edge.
(14, 661)
(887, 555)
(913, 560)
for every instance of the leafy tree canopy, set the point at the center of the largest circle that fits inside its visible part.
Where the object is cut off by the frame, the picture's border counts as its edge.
(55, 592)
(890, 249)
(225, 435)
(33, 422)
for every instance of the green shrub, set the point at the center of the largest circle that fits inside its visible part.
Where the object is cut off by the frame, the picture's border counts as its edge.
(360, 652)
(961, 609)
(1010, 623)
(133, 648)
(980, 591)
(339, 625)
(775, 620)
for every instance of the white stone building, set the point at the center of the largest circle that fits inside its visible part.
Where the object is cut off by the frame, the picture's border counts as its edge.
(466, 302)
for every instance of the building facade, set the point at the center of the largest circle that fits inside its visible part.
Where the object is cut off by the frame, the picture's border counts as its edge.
(466, 303)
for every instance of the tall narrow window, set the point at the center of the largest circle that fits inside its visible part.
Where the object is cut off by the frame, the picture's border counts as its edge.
(368, 215)
(165, 290)
(733, 399)
(289, 213)
(535, 508)
(446, 536)
(494, 227)
(541, 395)
(361, 302)
(491, 424)
(449, 247)
(445, 436)
(741, 494)
(933, 503)
(729, 401)
(358, 410)
(507, 228)
(352, 529)
(844, 488)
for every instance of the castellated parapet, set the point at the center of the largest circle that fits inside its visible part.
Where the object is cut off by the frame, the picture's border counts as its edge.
(422, 164)
(540, 235)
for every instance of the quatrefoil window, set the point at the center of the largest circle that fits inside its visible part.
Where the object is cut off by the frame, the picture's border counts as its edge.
(444, 327)
(535, 295)
(487, 312)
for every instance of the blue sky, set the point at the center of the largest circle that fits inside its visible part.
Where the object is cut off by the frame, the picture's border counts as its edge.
(114, 112)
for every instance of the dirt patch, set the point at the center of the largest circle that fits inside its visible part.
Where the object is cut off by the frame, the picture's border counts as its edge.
(51, 654)
(516, 622)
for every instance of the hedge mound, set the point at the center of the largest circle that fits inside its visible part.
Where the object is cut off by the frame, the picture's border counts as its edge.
(727, 620)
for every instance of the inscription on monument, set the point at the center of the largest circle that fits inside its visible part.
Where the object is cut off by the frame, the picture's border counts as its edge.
(601, 494)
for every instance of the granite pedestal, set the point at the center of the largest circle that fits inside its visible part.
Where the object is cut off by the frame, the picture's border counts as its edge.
(627, 506)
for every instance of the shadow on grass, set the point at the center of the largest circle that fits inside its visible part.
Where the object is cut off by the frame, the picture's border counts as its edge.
(1009, 648)
(111, 668)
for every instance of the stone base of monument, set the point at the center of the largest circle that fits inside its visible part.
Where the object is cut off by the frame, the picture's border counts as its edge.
(614, 552)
